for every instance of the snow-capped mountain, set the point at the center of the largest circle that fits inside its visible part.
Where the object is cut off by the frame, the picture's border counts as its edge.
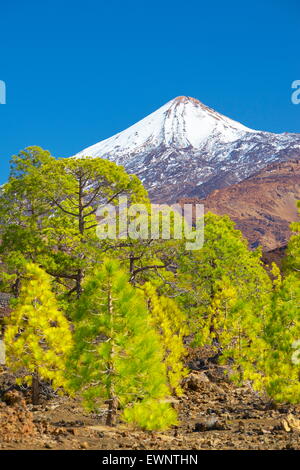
(187, 149)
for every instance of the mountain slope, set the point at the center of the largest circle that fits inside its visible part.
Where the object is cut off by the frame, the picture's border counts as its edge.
(262, 206)
(187, 149)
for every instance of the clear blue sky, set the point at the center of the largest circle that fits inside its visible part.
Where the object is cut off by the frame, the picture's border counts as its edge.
(78, 72)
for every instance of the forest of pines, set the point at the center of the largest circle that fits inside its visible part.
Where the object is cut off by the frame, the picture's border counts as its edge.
(109, 321)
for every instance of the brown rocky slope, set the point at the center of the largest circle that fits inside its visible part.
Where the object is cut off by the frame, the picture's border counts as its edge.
(262, 206)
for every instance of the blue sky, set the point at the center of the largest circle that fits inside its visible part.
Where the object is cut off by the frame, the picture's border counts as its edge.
(78, 72)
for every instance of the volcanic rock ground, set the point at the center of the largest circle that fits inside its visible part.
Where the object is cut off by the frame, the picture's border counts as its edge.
(214, 414)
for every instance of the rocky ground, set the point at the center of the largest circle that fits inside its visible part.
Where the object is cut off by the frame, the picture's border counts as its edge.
(214, 414)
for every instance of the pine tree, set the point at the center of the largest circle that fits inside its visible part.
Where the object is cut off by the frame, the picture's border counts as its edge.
(280, 363)
(52, 221)
(292, 261)
(280, 371)
(171, 323)
(224, 257)
(228, 295)
(117, 355)
(150, 414)
(37, 336)
(215, 324)
(236, 331)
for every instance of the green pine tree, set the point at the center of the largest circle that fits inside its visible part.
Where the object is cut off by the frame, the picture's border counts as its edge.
(227, 294)
(225, 257)
(52, 221)
(117, 356)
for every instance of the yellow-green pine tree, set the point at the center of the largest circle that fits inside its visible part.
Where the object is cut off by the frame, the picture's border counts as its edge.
(38, 335)
(215, 324)
(280, 371)
(171, 323)
(292, 261)
(282, 334)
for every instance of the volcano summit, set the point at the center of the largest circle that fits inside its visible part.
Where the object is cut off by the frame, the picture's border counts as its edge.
(186, 149)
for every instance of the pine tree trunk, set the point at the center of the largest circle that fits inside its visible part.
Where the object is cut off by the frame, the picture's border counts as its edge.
(112, 411)
(113, 400)
(79, 279)
(35, 389)
(81, 224)
(16, 286)
(131, 263)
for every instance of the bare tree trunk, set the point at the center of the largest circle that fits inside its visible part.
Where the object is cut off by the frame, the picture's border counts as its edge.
(35, 389)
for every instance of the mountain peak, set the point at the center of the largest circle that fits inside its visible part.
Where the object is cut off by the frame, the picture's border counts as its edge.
(186, 99)
(186, 148)
(182, 123)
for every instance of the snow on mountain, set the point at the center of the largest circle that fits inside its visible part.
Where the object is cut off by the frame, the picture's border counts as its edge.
(187, 149)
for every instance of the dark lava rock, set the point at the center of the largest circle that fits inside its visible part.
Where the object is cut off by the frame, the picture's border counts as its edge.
(210, 424)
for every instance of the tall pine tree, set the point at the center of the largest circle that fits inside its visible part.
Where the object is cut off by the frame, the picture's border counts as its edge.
(117, 355)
